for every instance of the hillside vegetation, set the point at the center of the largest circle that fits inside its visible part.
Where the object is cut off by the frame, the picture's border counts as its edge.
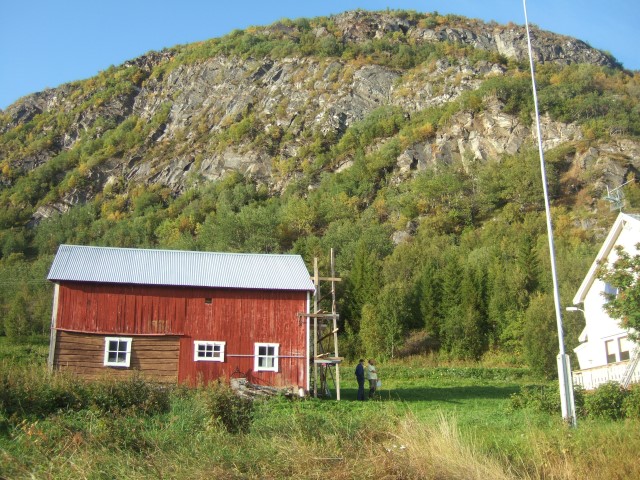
(402, 140)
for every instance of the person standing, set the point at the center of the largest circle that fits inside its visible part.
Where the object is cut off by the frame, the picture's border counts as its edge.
(373, 377)
(360, 379)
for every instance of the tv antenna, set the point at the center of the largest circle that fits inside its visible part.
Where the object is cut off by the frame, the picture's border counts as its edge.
(615, 197)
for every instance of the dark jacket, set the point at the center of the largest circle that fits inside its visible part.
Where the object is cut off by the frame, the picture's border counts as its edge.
(360, 372)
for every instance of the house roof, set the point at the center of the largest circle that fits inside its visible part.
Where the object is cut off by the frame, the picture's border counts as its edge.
(623, 220)
(180, 268)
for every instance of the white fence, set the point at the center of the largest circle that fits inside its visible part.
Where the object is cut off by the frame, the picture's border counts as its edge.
(591, 378)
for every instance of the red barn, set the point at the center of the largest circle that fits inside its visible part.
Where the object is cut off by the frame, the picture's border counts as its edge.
(179, 316)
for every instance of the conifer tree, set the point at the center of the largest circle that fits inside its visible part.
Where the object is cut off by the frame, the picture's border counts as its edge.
(540, 336)
(362, 284)
(452, 309)
(430, 299)
(17, 322)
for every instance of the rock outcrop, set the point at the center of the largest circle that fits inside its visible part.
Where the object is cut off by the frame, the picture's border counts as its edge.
(227, 113)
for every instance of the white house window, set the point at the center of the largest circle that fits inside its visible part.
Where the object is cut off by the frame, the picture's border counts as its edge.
(266, 357)
(208, 351)
(623, 343)
(610, 347)
(610, 289)
(117, 351)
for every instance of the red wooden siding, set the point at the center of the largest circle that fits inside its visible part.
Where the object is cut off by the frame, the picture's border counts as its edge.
(123, 309)
(241, 318)
(238, 317)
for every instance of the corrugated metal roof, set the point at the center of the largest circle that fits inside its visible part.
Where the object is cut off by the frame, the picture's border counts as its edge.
(180, 268)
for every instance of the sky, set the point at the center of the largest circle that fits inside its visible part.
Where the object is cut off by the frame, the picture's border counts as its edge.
(45, 43)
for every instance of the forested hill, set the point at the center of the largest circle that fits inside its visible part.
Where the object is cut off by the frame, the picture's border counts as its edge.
(402, 140)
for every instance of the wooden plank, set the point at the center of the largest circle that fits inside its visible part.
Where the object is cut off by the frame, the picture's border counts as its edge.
(88, 367)
(162, 363)
(98, 338)
(102, 374)
(94, 368)
(161, 355)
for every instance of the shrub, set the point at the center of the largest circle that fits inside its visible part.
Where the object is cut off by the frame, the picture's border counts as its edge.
(631, 402)
(578, 397)
(4, 425)
(132, 395)
(34, 394)
(123, 433)
(233, 412)
(606, 401)
(537, 397)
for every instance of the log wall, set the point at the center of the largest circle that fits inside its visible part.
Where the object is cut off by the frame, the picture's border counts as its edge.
(153, 357)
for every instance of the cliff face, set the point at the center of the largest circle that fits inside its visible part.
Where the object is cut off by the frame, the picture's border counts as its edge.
(197, 120)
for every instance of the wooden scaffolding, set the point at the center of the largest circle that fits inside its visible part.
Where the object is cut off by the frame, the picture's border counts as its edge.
(324, 358)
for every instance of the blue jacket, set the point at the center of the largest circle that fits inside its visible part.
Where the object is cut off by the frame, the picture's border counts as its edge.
(360, 372)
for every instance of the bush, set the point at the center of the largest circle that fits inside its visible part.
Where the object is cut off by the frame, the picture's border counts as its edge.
(4, 425)
(123, 433)
(132, 395)
(33, 393)
(631, 402)
(537, 397)
(540, 339)
(233, 412)
(606, 401)
(29, 394)
(578, 397)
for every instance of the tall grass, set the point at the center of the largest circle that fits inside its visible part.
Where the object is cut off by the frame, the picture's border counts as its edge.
(439, 423)
(440, 451)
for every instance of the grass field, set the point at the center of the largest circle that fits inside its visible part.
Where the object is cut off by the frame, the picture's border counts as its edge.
(429, 422)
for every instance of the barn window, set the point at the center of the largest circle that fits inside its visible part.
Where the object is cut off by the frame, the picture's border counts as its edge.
(117, 351)
(208, 351)
(266, 357)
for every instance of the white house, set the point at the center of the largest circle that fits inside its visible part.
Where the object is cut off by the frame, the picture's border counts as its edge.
(605, 354)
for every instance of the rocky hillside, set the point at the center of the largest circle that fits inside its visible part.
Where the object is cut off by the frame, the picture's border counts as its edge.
(207, 112)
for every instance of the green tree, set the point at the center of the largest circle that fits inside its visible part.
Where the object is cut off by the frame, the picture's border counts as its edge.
(540, 335)
(465, 329)
(395, 315)
(429, 295)
(17, 323)
(624, 274)
(362, 284)
(385, 323)
(371, 330)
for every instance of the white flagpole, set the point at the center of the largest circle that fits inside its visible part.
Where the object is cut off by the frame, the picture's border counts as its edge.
(564, 367)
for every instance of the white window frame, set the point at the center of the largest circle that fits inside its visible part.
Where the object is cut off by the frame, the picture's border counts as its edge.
(127, 351)
(257, 367)
(216, 356)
